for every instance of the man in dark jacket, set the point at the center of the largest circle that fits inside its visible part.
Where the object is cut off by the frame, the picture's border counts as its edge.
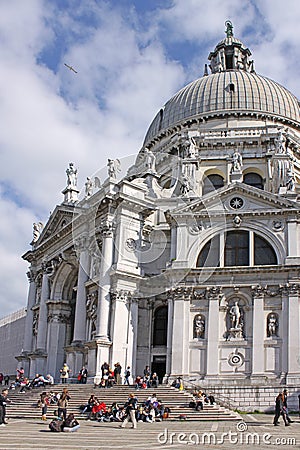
(280, 410)
(131, 407)
(285, 394)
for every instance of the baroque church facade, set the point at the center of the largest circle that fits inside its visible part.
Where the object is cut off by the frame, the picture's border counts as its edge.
(190, 263)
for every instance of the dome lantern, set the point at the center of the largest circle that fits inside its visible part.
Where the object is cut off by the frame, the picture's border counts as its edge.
(230, 54)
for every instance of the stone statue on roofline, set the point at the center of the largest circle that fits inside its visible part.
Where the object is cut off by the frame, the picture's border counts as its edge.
(71, 175)
(113, 167)
(37, 229)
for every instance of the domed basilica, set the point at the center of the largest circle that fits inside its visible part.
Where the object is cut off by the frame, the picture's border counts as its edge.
(190, 263)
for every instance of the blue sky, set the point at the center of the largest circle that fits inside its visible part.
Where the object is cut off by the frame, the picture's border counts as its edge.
(131, 57)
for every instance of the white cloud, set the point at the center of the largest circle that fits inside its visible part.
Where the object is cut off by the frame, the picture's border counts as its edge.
(51, 116)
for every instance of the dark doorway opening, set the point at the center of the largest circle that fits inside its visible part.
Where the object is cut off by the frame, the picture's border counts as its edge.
(159, 366)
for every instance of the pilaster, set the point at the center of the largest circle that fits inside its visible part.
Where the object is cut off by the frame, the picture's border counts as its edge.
(214, 296)
(81, 246)
(258, 333)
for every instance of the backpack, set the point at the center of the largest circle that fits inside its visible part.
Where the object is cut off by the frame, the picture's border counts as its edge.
(55, 425)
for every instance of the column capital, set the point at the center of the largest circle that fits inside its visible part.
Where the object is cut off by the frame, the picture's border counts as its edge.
(257, 291)
(82, 243)
(107, 228)
(214, 293)
(122, 296)
(31, 275)
(50, 266)
(291, 288)
(58, 317)
(181, 293)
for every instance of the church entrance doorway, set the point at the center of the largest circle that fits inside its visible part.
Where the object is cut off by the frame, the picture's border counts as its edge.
(159, 366)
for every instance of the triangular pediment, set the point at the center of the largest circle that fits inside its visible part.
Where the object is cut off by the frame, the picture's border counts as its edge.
(61, 217)
(237, 198)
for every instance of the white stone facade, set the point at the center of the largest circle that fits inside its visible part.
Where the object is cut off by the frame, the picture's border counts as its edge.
(189, 264)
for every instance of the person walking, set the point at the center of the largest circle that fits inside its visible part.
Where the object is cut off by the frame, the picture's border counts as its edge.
(127, 375)
(285, 394)
(131, 408)
(62, 403)
(280, 411)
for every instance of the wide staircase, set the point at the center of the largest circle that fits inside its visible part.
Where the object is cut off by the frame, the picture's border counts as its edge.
(24, 406)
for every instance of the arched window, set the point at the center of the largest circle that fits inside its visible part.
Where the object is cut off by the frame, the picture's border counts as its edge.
(253, 179)
(212, 182)
(237, 248)
(242, 248)
(209, 256)
(160, 326)
(264, 254)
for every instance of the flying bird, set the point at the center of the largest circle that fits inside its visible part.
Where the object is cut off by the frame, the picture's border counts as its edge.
(70, 67)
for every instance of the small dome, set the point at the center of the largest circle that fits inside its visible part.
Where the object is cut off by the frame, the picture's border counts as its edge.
(228, 92)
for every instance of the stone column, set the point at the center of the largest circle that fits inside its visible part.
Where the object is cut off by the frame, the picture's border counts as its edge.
(169, 335)
(42, 322)
(79, 335)
(104, 282)
(132, 335)
(212, 353)
(58, 318)
(258, 333)
(180, 335)
(27, 347)
(293, 333)
(120, 351)
(102, 337)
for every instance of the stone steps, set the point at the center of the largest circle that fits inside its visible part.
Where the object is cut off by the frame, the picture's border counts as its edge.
(25, 405)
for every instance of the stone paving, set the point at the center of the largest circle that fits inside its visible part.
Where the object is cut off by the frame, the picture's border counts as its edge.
(253, 431)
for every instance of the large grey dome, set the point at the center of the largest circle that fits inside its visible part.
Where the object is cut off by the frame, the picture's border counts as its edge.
(230, 91)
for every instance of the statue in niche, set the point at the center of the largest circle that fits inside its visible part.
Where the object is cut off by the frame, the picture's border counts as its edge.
(235, 322)
(149, 160)
(237, 162)
(113, 167)
(71, 175)
(235, 316)
(186, 185)
(272, 325)
(199, 326)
